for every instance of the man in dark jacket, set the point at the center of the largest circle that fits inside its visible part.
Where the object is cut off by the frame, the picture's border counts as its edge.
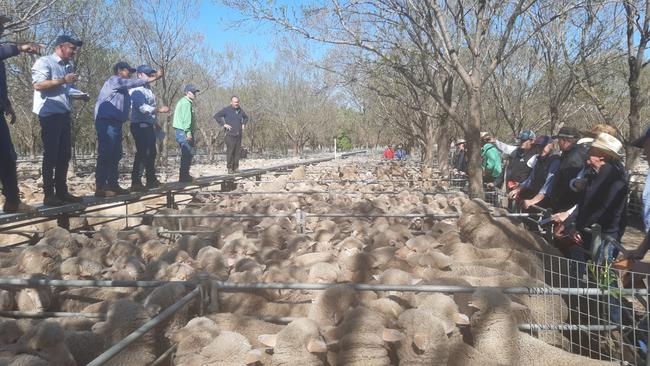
(537, 186)
(8, 175)
(573, 157)
(233, 119)
(460, 157)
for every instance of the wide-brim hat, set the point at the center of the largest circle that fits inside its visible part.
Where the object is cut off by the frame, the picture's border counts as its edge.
(608, 144)
(484, 135)
(568, 132)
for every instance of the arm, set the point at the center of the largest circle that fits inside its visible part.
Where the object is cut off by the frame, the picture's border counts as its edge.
(548, 183)
(126, 84)
(220, 117)
(8, 50)
(507, 149)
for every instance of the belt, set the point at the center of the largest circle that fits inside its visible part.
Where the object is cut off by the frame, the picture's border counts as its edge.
(144, 125)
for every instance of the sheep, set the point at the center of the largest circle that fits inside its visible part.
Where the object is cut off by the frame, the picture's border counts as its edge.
(330, 305)
(120, 248)
(84, 346)
(299, 343)
(46, 341)
(191, 339)
(10, 332)
(495, 334)
(79, 268)
(229, 349)
(40, 258)
(425, 340)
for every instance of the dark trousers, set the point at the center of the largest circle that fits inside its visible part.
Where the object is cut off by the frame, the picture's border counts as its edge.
(57, 151)
(233, 151)
(187, 152)
(145, 153)
(8, 163)
(109, 152)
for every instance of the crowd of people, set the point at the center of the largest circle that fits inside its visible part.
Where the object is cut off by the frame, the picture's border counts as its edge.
(394, 154)
(122, 98)
(580, 176)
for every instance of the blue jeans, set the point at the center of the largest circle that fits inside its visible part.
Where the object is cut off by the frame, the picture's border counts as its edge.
(57, 151)
(8, 163)
(187, 152)
(145, 153)
(109, 152)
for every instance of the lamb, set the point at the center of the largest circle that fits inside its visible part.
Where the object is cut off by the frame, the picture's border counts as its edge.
(330, 305)
(299, 343)
(47, 341)
(495, 334)
(426, 340)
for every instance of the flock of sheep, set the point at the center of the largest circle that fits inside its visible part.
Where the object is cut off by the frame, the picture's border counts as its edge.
(337, 326)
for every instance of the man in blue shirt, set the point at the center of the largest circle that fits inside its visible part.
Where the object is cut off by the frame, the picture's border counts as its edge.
(144, 126)
(52, 78)
(233, 119)
(8, 175)
(111, 111)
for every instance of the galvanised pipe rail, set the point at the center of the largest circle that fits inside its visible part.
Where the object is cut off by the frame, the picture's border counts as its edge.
(121, 345)
(233, 286)
(49, 314)
(305, 215)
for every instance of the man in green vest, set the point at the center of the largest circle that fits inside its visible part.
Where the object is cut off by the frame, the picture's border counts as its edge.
(491, 160)
(184, 125)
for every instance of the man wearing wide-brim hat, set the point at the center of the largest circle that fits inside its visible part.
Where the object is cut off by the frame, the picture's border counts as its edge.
(460, 157)
(604, 198)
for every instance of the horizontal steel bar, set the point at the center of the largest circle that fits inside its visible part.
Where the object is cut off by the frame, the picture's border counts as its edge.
(32, 282)
(215, 193)
(121, 345)
(344, 215)
(584, 328)
(49, 314)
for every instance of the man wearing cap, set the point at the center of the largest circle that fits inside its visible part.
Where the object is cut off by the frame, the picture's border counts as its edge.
(490, 161)
(184, 124)
(536, 187)
(233, 119)
(460, 158)
(144, 125)
(572, 160)
(111, 111)
(8, 175)
(518, 158)
(52, 78)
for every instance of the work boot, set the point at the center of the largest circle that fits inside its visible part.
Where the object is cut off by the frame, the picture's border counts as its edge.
(138, 187)
(151, 184)
(104, 191)
(53, 201)
(187, 179)
(231, 171)
(18, 207)
(119, 190)
(68, 198)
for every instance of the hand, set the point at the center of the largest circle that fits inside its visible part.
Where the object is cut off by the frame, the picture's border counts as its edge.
(163, 109)
(514, 193)
(637, 253)
(33, 48)
(527, 203)
(580, 184)
(227, 126)
(70, 78)
(577, 238)
(559, 217)
(490, 185)
(189, 137)
(12, 115)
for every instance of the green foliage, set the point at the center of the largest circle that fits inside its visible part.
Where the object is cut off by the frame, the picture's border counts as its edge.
(605, 277)
(343, 142)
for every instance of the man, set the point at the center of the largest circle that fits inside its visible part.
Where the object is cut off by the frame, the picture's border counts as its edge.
(518, 158)
(233, 119)
(400, 153)
(8, 174)
(537, 186)
(644, 143)
(562, 197)
(490, 161)
(144, 125)
(52, 79)
(389, 154)
(184, 124)
(111, 111)
(460, 157)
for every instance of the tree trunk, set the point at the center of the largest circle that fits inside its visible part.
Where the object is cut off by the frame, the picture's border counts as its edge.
(472, 135)
(633, 117)
(442, 140)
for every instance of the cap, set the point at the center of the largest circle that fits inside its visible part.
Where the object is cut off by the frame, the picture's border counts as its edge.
(608, 144)
(641, 140)
(122, 65)
(567, 132)
(543, 140)
(526, 135)
(145, 69)
(484, 135)
(191, 88)
(460, 141)
(67, 39)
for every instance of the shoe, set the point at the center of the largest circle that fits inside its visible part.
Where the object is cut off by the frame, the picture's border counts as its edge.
(19, 207)
(104, 192)
(119, 190)
(188, 179)
(68, 198)
(153, 184)
(53, 201)
(137, 187)
(231, 171)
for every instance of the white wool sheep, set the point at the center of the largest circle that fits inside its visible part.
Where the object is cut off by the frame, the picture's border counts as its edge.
(426, 341)
(299, 343)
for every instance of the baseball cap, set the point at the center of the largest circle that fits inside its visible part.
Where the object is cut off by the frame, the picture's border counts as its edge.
(122, 65)
(67, 39)
(146, 69)
(641, 140)
(526, 135)
(567, 132)
(543, 140)
(191, 88)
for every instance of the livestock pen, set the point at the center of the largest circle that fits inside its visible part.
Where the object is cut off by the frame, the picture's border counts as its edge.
(589, 329)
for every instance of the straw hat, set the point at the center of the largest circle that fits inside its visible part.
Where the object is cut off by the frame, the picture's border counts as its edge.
(484, 135)
(608, 144)
(460, 141)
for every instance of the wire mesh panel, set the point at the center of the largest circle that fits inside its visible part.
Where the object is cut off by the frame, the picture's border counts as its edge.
(611, 326)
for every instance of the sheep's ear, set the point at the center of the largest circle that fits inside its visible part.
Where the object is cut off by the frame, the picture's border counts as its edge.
(392, 335)
(461, 319)
(269, 340)
(518, 307)
(449, 327)
(415, 281)
(317, 346)
(152, 309)
(329, 331)
(474, 305)
(420, 341)
(376, 277)
(253, 356)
